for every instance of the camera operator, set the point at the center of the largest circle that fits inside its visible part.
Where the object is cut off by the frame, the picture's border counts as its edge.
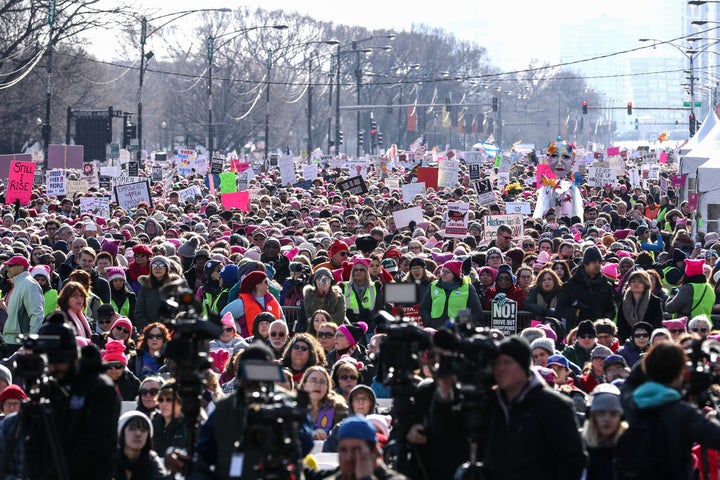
(84, 411)
(222, 445)
(524, 412)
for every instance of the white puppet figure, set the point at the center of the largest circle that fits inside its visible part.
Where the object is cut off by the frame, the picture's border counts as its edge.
(561, 194)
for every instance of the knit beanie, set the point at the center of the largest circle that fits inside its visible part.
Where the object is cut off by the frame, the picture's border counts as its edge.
(187, 249)
(676, 323)
(678, 256)
(125, 418)
(417, 262)
(545, 343)
(114, 273)
(592, 254)
(586, 327)
(600, 351)
(606, 398)
(337, 246)
(5, 374)
(42, 270)
(505, 268)
(251, 280)
(642, 326)
(353, 332)
(110, 246)
(518, 349)
(114, 352)
(455, 266)
(229, 274)
(12, 391)
(694, 267)
(357, 427)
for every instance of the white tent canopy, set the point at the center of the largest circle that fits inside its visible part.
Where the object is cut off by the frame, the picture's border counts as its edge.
(708, 124)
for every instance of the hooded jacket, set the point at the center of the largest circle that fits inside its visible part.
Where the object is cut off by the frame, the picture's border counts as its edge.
(585, 298)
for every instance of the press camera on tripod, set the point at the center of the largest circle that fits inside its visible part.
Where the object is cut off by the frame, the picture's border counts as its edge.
(468, 355)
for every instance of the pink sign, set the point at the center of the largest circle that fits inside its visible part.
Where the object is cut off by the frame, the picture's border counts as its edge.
(663, 157)
(5, 161)
(20, 182)
(543, 170)
(678, 180)
(611, 151)
(693, 201)
(65, 156)
(238, 200)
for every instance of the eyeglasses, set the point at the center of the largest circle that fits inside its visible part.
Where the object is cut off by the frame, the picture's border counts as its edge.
(115, 366)
(159, 265)
(677, 330)
(154, 336)
(122, 329)
(348, 377)
(151, 391)
(277, 334)
(228, 329)
(528, 245)
(326, 334)
(641, 335)
(165, 399)
(316, 381)
(302, 348)
(360, 399)
(701, 330)
(105, 322)
(585, 336)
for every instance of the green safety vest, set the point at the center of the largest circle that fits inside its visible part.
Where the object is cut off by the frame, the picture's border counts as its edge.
(458, 300)
(214, 304)
(367, 302)
(703, 299)
(124, 310)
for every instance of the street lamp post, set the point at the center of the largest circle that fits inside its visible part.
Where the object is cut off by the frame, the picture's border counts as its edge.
(310, 92)
(144, 57)
(358, 80)
(210, 55)
(47, 126)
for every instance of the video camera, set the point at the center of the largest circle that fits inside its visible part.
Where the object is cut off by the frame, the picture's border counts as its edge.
(31, 365)
(703, 372)
(400, 351)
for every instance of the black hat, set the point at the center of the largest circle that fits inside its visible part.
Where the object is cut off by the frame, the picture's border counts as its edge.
(640, 230)
(105, 311)
(642, 326)
(417, 262)
(592, 254)
(586, 327)
(518, 349)
(366, 243)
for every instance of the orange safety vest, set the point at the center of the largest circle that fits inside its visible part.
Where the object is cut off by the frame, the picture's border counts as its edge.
(253, 309)
(651, 212)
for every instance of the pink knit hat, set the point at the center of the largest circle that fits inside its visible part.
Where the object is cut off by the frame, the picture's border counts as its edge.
(114, 352)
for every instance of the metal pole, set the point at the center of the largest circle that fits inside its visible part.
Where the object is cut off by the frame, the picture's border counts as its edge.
(337, 104)
(692, 86)
(499, 122)
(358, 81)
(210, 47)
(330, 101)
(143, 34)
(309, 108)
(47, 133)
(267, 104)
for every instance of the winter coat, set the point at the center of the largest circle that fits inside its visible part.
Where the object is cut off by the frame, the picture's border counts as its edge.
(172, 435)
(25, 308)
(333, 303)
(653, 315)
(585, 298)
(511, 450)
(99, 286)
(514, 293)
(630, 352)
(577, 354)
(127, 386)
(146, 467)
(149, 302)
(541, 304)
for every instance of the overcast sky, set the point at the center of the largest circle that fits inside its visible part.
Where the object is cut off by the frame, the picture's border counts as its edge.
(514, 32)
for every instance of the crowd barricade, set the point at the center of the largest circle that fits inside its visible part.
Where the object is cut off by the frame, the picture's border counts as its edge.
(291, 315)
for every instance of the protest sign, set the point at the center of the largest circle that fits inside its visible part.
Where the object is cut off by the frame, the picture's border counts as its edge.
(474, 171)
(654, 172)
(189, 194)
(514, 221)
(20, 182)
(503, 179)
(448, 173)
(485, 193)
(456, 223)
(305, 184)
(157, 173)
(65, 156)
(678, 180)
(15, 157)
(104, 182)
(129, 195)
(404, 217)
(243, 179)
(543, 170)
(429, 176)
(354, 185)
(411, 190)
(393, 183)
(601, 176)
(287, 170)
(74, 186)
(693, 201)
(473, 157)
(663, 185)
(133, 168)
(96, 206)
(185, 159)
(228, 182)
(55, 182)
(358, 168)
(216, 164)
(310, 171)
(617, 164)
(612, 151)
(239, 200)
(112, 171)
(634, 174)
(503, 316)
(517, 207)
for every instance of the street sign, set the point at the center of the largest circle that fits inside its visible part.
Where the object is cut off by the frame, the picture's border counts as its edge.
(688, 104)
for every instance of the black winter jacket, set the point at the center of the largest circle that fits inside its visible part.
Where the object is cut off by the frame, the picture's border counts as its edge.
(584, 298)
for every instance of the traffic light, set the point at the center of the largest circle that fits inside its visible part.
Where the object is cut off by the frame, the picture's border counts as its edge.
(692, 124)
(637, 124)
(584, 105)
(373, 133)
(380, 139)
(129, 132)
(495, 104)
(361, 137)
(341, 140)
(629, 110)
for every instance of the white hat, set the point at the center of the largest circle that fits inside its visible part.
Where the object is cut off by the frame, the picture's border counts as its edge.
(125, 417)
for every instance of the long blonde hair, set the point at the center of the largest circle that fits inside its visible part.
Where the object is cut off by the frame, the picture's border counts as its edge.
(591, 436)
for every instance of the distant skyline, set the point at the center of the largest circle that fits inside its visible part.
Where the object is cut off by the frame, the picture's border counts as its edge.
(514, 33)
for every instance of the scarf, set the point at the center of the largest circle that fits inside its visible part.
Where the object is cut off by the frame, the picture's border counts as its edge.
(81, 324)
(547, 299)
(635, 311)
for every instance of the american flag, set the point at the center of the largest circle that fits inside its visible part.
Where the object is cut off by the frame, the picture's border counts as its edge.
(419, 145)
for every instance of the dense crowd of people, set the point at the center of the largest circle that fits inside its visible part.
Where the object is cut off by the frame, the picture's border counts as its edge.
(608, 301)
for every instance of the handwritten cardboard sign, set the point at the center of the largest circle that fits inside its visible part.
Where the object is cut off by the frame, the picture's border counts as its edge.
(95, 206)
(354, 185)
(493, 222)
(55, 182)
(456, 224)
(411, 190)
(20, 182)
(129, 195)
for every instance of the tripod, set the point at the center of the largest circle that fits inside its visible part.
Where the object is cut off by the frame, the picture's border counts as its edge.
(35, 431)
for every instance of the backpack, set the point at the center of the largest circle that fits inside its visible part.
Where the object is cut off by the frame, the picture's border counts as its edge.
(641, 451)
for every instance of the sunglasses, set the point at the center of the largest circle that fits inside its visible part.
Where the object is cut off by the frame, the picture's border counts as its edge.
(528, 245)
(348, 377)
(122, 329)
(165, 399)
(105, 322)
(151, 391)
(506, 237)
(641, 335)
(326, 334)
(115, 366)
(701, 330)
(154, 336)
(302, 348)
(277, 334)
(228, 329)
(677, 330)
(585, 336)
(159, 265)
